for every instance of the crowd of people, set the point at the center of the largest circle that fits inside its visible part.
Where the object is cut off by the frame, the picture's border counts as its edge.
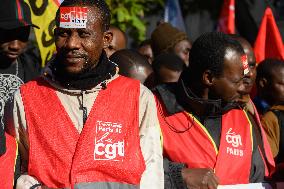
(172, 114)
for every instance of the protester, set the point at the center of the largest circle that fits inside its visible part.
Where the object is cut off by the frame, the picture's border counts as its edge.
(16, 66)
(166, 38)
(9, 160)
(202, 124)
(270, 82)
(132, 64)
(266, 96)
(167, 68)
(146, 50)
(119, 41)
(249, 79)
(81, 125)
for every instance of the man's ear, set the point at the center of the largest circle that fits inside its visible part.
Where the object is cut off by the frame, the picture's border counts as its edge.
(262, 82)
(207, 78)
(107, 38)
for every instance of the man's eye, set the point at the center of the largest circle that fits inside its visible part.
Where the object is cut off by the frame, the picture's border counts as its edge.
(84, 34)
(62, 33)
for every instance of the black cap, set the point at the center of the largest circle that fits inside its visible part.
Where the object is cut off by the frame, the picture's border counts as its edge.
(15, 14)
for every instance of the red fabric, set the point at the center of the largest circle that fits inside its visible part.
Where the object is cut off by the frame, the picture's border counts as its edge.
(195, 147)
(7, 163)
(61, 157)
(268, 43)
(226, 23)
(235, 146)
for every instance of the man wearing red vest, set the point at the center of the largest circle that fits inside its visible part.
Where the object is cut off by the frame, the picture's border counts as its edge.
(9, 160)
(204, 127)
(81, 125)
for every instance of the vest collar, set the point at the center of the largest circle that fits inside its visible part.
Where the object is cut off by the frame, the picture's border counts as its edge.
(176, 98)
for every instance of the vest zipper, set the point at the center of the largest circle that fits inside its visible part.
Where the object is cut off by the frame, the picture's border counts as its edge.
(83, 108)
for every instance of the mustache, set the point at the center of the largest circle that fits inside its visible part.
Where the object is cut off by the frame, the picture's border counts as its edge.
(73, 53)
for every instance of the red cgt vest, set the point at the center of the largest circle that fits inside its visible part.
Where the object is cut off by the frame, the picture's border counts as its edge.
(7, 163)
(197, 149)
(106, 154)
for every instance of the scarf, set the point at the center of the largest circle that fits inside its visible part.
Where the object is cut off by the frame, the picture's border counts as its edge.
(88, 79)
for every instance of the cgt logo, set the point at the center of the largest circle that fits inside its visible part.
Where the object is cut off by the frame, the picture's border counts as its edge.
(73, 17)
(110, 151)
(109, 141)
(233, 138)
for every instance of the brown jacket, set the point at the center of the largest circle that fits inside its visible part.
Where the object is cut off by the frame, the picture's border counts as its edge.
(271, 126)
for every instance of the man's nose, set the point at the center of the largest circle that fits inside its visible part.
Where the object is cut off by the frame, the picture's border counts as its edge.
(73, 42)
(15, 45)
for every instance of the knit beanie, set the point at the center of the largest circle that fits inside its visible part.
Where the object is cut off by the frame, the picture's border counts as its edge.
(164, 37)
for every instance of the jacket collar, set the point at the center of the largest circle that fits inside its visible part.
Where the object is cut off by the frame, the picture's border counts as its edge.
(176, 98)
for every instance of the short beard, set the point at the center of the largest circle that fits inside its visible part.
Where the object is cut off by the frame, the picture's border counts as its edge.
(63, 71)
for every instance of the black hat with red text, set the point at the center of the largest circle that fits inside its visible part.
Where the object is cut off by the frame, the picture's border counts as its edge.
(15, 14)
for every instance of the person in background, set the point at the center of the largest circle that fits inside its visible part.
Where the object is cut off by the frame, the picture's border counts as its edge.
(16, 66)
(249, 78)
(119, 41)
(146, 50)
(204, 127)
(270, 84)
(167, 68)
(133, 65)
(80, 124)
(166, 38)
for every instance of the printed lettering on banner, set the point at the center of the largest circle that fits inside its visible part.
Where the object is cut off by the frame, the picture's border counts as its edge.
(109, 141)
(73, 17)
(235, 142)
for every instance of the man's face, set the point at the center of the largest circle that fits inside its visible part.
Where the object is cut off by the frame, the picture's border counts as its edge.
(118, 42)
(182, 49)
(146, 50)
(13, 42)
(275, 87)
(229, 87)
(80, 48)
(249, 78)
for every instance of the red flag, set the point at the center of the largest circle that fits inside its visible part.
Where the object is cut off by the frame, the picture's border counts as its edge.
(268, 43)
(226, 22)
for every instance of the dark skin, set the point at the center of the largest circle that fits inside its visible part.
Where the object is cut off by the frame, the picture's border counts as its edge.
(12, 43)
(80, 48)
(182, 49)
(274, 86)
(271, 88)
(249, 78)
(118, 41)
(228, 87)
(146, 50)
